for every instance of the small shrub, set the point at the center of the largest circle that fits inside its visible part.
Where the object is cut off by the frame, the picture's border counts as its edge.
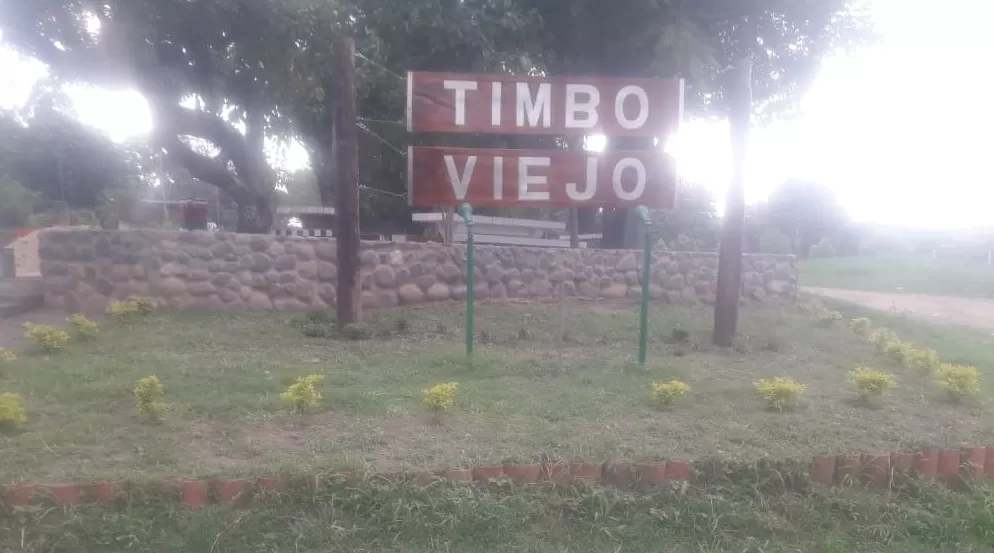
(85, 328)
(665, 393)
(780, 392)
(7, 356)
(861, 326)
(870, 383)
(124, 311)
(49, 338)
(440, 397)
(316, 330)
(829, 317)
(148, 394)
(440, 328)
(899, 351)
(12, 412)
(401, 326)
(680, 334)
(959, 381)
(925, 361)
(303, 394)
(524, 334)
(358, 331)
(145, 305)
(320, 317)
(882, 338)
(486, 337)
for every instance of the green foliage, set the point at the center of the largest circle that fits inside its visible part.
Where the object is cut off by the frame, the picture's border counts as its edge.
(124, 311)
(882, 339)
(17, 203)
(402, 326)
(303, 394)
(7, 356)
(49, 338)
(774, 241)
(779, 392)
(148, 395)
(861, 326)
(900, 351)
(925, 361)
(870, 383)
(12, 411)
(145, 305)
(959, 381)
(665, 393)
(440, 397)
(85, 328)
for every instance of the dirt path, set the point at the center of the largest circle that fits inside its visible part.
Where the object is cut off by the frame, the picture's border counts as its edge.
(978, 313)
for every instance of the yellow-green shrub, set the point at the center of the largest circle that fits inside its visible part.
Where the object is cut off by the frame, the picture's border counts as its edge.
(779, 392)
(85, 328)
(883, 338)
(124, 311)
(959, 381)
(870, 383)
(49, 338)
(440, 397)
(861, 326)
(148, 393)
(303, 394)
(7, 356)
(926, 361)
(829, 317)
(12, 410)
(899, 351)
(145, 306)
(665, 393)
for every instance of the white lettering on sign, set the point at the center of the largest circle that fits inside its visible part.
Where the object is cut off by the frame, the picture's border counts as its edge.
(619, 173)
(571, 188)
(498, 178)
(460, 87)
(525, 179)
(534, 108)
(460, 183)
(495, 108)
(619, 107)
(588, 107)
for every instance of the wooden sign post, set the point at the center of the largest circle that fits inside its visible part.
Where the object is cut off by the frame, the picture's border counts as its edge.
(558, 106)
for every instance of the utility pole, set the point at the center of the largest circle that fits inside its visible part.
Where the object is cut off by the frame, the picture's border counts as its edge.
(346, 149)
(726, 305)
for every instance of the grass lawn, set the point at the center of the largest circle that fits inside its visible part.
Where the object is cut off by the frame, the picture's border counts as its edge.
(900, 274)
(755, 514)
(522, 399)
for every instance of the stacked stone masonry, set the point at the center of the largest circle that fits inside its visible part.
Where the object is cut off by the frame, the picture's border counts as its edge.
(84, 270)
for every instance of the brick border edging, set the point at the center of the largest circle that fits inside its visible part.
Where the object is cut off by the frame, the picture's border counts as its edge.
(875, 469)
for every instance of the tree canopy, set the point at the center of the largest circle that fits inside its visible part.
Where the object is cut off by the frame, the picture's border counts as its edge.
(224, 78)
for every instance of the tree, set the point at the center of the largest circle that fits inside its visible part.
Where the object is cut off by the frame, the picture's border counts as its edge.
(806, 212)
(699, 41)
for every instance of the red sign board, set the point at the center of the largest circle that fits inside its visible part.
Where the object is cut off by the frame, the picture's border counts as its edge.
(450, 176)
(509, 104)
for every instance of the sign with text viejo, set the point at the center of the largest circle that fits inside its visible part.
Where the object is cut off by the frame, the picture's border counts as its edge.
(481, 177)
(508, 104)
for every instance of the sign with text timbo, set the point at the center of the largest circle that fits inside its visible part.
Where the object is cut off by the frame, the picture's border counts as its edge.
(557, 106)
(451, 176)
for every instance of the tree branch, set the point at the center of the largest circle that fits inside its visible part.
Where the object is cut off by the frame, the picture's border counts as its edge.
(207, 169)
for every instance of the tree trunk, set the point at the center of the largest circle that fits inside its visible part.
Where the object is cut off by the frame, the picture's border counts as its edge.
(726, 305)
(255, 217)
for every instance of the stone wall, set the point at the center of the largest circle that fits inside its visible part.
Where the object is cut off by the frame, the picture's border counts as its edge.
(84, 270)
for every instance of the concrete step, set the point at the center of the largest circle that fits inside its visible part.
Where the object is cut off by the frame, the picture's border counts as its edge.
(19, 295)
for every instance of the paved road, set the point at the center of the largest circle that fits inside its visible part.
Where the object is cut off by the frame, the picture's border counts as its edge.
(978, 313)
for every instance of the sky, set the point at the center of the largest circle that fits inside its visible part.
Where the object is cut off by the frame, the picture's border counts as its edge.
(899, 129)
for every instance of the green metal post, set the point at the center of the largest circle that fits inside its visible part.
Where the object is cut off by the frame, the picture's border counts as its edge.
(467, 214)
(643, 214)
